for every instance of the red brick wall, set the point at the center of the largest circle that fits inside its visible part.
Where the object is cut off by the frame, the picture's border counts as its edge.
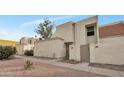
(111, 30)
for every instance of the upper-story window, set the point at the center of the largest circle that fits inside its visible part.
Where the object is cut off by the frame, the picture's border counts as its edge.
(90, 30)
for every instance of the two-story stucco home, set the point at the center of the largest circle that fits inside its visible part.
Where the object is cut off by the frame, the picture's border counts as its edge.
(83, 41)
(71, 40)
(26, 43)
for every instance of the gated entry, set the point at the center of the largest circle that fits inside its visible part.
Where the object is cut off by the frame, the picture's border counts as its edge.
(85, 53)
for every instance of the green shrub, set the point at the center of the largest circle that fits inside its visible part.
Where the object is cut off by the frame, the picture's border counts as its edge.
(29, 52)
(28, 65)
(6, 51)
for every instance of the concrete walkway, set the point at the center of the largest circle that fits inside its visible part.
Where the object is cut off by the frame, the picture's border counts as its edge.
(80, 66)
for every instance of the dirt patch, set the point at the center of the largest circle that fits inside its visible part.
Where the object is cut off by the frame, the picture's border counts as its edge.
(108, 66)
(15, 68)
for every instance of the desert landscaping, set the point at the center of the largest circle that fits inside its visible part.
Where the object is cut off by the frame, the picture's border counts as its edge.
(15, 67)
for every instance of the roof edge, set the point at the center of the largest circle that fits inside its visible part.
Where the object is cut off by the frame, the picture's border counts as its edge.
(65, 23)
(87, 18)
(113, 23)
(55, 38)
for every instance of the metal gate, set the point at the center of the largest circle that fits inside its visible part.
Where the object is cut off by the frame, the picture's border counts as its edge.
(85, 53)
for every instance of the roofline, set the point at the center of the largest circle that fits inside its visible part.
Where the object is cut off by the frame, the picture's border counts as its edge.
(65, 23)
(27, 37)
(79, 21)
(118, 22)
(54, 38)
(87, 18)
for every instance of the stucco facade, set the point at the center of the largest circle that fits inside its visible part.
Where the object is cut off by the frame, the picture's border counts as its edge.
(109, 51)
(110, 48)
(53, 48)
(80, 41)
(26, 43)
(81, 37)
(65, 31)
(75, 35)
(21, 48)
(27, 40)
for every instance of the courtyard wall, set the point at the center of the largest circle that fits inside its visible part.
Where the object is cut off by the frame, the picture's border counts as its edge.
(53, 48)
(109, 51)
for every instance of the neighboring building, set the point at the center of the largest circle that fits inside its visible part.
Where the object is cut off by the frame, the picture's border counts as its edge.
(26, 43)
(109, 51)
(8, 42)
(76, 40)
(111, 46)
(27, 40)
(113, 29)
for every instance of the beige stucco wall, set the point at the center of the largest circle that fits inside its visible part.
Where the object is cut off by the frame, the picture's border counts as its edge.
(81, 33)
(26, 40)
(110, 51)
(81, 36)
(71, 52)
(54, 48)
(65, 31)
(21, 48)
(23, 40)
(28, 47)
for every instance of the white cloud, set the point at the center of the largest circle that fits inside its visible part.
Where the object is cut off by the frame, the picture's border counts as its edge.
(35, 22)
(31, 23)
(11, 34)
(3, 32)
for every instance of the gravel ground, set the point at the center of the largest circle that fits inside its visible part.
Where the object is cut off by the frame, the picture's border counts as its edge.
(15, 68)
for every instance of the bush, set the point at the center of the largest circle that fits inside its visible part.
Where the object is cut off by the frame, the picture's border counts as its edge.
(6, 51)
(29, 52)
(28, 65)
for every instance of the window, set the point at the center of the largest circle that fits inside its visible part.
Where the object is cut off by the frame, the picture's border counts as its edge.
(90, 30)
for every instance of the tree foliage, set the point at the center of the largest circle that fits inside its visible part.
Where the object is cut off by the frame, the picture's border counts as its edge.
(45, 28)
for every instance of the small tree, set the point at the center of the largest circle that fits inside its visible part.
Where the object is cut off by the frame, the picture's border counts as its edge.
(28, 65)
(45, 29)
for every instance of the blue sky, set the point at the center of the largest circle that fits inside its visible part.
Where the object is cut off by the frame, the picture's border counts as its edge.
(15, 27)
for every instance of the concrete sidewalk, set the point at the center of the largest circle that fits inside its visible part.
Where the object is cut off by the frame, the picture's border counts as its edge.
(80, 66)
